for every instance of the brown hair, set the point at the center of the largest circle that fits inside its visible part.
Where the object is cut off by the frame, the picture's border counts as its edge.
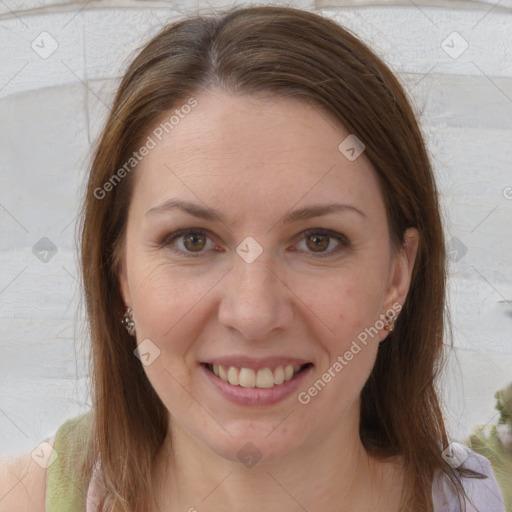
(289, 53)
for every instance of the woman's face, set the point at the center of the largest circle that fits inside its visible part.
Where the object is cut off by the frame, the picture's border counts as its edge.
(250, 292)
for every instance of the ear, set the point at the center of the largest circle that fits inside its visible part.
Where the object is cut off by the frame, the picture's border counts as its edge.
(122, 277)
(401, 270)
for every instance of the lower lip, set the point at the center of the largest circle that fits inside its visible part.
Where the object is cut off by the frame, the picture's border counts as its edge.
(256, 396)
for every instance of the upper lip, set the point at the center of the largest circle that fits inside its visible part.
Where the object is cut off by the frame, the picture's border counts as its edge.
(255, 364)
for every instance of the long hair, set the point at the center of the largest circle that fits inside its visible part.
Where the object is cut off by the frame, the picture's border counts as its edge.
(289, 53)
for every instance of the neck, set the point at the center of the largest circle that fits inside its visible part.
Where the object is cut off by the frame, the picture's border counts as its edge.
(334, 474)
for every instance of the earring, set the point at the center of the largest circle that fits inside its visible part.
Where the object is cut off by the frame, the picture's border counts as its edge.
(128, 322)
(390, 323)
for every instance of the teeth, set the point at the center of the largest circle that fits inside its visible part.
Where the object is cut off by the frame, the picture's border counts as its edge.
(264, 378)
(247, 378)
(222, 373)
(232, 376)
(279, 375)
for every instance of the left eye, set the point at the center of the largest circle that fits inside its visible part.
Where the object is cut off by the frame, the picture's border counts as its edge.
(194, 242)
(321, 239)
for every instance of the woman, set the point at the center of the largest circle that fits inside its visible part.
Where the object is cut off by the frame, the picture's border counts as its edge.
(264, 272)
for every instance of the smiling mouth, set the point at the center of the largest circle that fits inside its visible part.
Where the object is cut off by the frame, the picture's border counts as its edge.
(264, 378)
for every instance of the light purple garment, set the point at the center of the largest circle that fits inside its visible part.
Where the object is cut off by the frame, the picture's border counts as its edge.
(484, 494)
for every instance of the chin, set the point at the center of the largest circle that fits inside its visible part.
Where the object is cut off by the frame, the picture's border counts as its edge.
(254, 443)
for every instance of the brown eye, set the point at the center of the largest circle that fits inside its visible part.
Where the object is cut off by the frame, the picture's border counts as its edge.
(188, 242)
(318, 240)
(194, 241)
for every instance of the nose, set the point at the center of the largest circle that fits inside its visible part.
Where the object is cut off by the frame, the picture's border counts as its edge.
(256, 301)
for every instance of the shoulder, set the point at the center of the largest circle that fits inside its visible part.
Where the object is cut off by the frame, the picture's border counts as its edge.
(48, 475)
(23, 481)
(483, 494)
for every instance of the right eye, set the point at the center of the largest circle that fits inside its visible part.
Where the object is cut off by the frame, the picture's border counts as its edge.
(188, 242)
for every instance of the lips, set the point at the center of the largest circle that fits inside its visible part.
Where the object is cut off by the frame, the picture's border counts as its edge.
(262, 382)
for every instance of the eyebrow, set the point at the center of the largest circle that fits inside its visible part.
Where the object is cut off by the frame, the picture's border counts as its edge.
(206, 213)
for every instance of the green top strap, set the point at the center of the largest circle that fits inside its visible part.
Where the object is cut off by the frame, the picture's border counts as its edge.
(66, 490)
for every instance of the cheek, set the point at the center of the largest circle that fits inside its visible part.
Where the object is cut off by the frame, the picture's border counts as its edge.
(164, 301)
(346, 376)
(350, 353)
(351, 306)
(166, 305)
(348, 304)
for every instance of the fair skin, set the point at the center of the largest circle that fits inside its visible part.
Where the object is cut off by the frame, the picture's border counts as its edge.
(22, 485)
(254, 160)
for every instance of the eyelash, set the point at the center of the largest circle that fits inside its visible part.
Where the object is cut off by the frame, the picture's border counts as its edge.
(168, 240)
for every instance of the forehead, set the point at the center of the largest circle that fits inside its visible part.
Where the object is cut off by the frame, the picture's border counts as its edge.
(248, 151)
